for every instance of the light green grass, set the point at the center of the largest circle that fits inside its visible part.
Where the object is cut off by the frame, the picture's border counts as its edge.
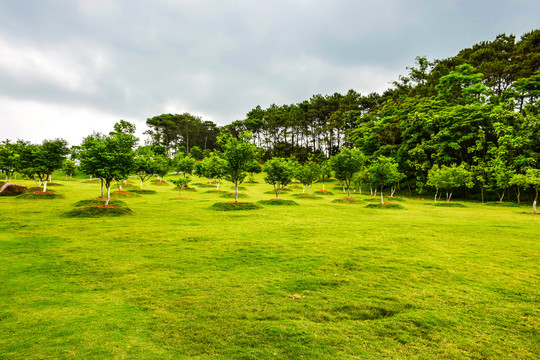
(322, 280)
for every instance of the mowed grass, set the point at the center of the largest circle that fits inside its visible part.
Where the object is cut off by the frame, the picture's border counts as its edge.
(321, 280)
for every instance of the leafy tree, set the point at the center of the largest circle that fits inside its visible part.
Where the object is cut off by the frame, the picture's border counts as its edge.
(214, 168)
(107, 157)
(325, 173)
(144, 166)
(161, 166)
(533, 179)
(181, 183)
(196, 153)
(198, 169)
(449, 178)
(8, 158)
(279, 173)
(48, 157)
(253, 168)
(346, 164)
(384, 172)
(520, 182)
(69, 167)
(238, 153)
(184, 164)
(308, 174)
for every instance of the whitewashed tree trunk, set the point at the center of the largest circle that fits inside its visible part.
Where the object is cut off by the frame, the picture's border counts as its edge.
(534, 206)
(382, 199)
(323, 186)
(218, 184)
(304, 189)
(108, 195)
(141, 183)
(45, 186)
(235, 192)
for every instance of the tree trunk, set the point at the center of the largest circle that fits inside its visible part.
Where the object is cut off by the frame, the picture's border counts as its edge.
(382, 198)
(518, 194)
(219, 181)
(141, 183)
(304, 189)
(323, 186)
(436, 193)
(236, 191)
(309, 189)
(45, 186)
(102, 188)
(108, 194)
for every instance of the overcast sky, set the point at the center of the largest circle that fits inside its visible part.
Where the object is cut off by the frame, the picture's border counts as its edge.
(71, 67)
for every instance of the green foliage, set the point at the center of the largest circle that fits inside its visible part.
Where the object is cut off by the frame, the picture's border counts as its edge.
(308, 173)
(279, 173)
(347, 163)
(69, 167)
(449, 178)
(196, 153)
(384, 172)
(107, 157)
(184, 164)
(238, 154)
(8, 158)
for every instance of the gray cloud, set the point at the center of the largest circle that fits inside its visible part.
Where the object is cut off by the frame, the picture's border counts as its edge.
(136, 59)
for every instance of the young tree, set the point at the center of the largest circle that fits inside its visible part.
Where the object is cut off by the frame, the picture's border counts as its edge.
(181, 183)
(144, 165)
(279, 173)
(346, 164)
(107, 157)
(533, 179)
(384, 172)
(184, 164)
(325, 173)
(69, 167)
(49, 157)
(449, 178)
(308, 174)
(519, 181)
(214, 168)
(8, 158)
(161, 166)
(238, 153)
(253, 168)
(198, 169)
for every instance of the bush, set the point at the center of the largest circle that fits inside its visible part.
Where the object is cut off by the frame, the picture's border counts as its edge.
(142, 192)
(347, 201)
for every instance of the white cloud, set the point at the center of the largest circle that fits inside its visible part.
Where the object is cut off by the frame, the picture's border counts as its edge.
(71, 65)
(35, 121)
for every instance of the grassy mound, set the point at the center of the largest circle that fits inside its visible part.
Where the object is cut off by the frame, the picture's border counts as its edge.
(324, 192)
(307, 196)
(40, 195)
(159, 183)
(232, 206)
(239, 188)
(503, 204)
(231, 195)
(215, 191)
(347, 201)
(206, 185)
(277, 202)
(394, 199)
(385, 206)
(93, 181)
(142, 192)
(98, 211)
(98, 202)
(281, 192)
(450, 204)
(251, 182)
(191, 189)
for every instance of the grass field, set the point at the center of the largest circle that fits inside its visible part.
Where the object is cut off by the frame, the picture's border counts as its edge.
(318, 280)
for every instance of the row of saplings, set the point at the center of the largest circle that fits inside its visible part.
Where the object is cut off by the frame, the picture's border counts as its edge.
(111, 158)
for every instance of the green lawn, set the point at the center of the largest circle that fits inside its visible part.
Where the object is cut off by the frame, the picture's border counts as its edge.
(320, 280)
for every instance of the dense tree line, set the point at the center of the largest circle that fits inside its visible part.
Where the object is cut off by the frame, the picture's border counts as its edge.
(181, 133)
